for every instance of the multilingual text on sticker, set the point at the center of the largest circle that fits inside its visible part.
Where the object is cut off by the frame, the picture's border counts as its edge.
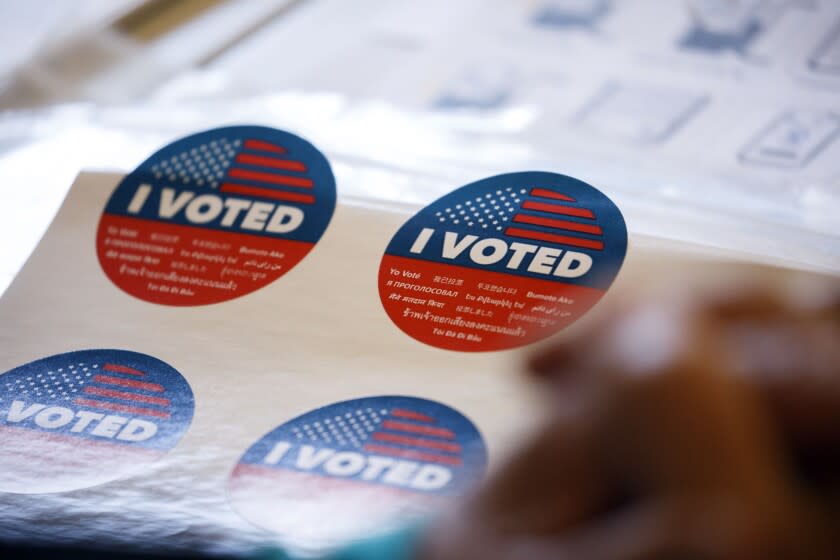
(215, 216)
(502, 262)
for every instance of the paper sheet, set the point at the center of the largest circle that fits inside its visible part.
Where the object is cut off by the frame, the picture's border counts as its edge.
(316, 336)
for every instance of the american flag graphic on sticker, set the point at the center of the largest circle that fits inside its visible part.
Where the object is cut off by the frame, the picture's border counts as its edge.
(502, 262)
(215, 216)
(355, 467)
(83, 418)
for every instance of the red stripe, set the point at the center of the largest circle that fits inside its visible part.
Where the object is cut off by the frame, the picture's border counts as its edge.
(238, 173)
(543, 193)
(557, 209)
(108, 380)
(267, 193)
(553, 238)
(122, 369)
(411, 454)
(264, 146)
(415, 429)
(417, 442)
(557, 224)
(411, 415)
(99, 391)
(121, 408)
(275, 163)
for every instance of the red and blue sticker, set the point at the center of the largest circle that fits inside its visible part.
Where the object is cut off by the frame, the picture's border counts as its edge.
(357, 467)
(84, 418)
(502, 262)
(215, 216)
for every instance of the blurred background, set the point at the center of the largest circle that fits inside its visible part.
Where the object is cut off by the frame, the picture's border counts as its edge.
(712, 123)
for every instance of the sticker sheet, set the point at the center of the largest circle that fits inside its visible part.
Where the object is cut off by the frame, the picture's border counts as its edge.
(226, 383)
(145, 401)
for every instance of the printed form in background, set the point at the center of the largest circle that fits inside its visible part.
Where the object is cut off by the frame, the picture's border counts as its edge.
(792, 139)
(684, 123)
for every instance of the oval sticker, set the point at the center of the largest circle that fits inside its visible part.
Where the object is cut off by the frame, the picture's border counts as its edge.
(357, 467)
(215, 216)
(83, 418)
(502, 262)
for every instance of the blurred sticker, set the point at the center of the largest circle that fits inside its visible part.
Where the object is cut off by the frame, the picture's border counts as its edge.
(215, 216)
(83, 418)
(502, 262)
(357, 467)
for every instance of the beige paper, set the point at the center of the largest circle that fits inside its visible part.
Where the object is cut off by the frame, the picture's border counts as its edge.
(315, 336)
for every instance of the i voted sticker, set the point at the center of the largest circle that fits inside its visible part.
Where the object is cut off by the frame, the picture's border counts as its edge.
(357, 467)
(83, 418)
(502, 262)
(215, 216)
